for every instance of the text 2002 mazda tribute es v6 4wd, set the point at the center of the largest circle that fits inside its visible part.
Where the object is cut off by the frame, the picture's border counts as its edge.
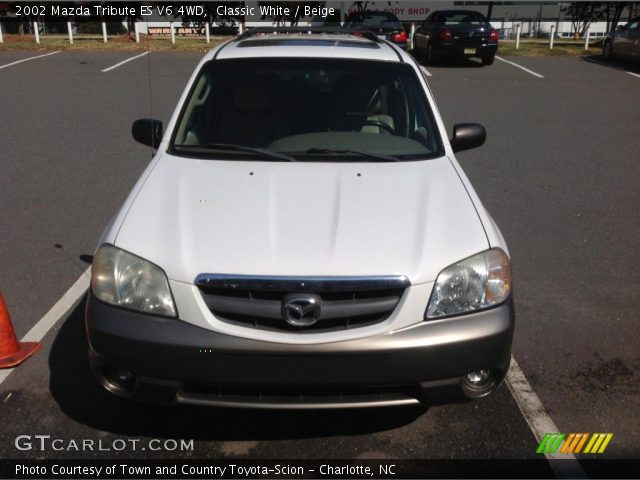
(303, 238)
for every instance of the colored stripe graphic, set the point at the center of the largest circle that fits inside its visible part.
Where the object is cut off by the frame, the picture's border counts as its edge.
(571, 441)
(597, 443)
(550, 443)
(558, 441)
(543, 443)
(606, 442)
(592, 440)
(583, 440)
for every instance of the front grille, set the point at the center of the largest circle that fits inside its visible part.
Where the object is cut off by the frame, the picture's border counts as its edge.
(344, 302)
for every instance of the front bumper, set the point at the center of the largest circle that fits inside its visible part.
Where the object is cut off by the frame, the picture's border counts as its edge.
(173, 361)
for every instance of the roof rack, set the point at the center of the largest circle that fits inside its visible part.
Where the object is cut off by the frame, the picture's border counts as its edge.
(254, 31)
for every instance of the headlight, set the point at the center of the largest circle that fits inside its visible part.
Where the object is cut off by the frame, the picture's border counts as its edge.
(127, 281)
(478, 282)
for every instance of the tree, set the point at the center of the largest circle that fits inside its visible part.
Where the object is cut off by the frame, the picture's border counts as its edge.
(490, 10)
(582, 15)
(131, 19)
(24, 24)
(360, 6)
(91, 24)
(613, 12)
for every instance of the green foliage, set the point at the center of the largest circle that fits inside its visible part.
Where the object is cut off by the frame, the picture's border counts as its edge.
(584, 13)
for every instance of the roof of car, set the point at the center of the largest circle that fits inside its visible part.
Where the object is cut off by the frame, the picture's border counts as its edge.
(298, 44)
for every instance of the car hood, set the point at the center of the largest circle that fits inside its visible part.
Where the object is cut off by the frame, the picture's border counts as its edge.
(302, 219)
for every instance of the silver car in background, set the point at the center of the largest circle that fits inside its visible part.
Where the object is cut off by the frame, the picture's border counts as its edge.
(624, 42)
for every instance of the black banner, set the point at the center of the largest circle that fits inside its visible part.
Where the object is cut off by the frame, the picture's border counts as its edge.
(118, 11)
(305, 469)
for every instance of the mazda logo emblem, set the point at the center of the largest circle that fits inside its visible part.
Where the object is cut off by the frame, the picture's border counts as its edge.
(301, 309)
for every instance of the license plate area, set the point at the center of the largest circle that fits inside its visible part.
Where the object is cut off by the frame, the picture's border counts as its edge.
(469, 51)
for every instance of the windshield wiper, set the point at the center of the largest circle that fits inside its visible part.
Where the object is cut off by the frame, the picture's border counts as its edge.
(375, 157)
(263, 152)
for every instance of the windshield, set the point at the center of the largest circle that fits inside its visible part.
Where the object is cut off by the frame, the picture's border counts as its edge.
(308, 109)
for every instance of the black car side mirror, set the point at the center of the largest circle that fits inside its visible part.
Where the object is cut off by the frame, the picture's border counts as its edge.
(467, 136)
(147, 131)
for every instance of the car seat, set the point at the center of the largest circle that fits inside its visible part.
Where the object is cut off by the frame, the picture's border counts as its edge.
(359, 99)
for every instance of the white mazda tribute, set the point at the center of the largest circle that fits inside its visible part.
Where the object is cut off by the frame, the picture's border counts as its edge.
(303, 238)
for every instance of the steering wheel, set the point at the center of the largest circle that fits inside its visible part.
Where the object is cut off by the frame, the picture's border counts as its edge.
(379, 124)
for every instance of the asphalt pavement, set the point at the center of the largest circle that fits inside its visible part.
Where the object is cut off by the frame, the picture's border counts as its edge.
(559, 173)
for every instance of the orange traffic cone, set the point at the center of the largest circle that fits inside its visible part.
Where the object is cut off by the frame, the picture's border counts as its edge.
(12, 353)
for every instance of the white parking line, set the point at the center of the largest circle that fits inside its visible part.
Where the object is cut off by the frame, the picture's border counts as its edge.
(27, 59)
(426, 72)
(520, 67)
(124, 61)
(564, 465)
(634, 74)
(67, 303)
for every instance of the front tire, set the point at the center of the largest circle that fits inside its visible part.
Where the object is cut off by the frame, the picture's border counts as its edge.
(488, 59)
(607, 50)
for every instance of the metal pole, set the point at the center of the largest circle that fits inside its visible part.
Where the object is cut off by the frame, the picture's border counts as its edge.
(586, 38)
(206, 29)
(240, 28)
(104, 32)
(70, 31)
(173, 33)
(35, 29)
(1, 39)
(551, 36)
(413, 31)
(137, 31)
(518, 35)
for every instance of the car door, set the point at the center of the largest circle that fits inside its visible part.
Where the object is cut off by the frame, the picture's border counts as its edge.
(633, 41)
(623, 43)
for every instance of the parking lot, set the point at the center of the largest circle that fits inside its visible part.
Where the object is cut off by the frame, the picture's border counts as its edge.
(559, 173)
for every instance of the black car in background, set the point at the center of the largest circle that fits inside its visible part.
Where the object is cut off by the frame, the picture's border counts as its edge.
(385, 25)
(624, 42)
(456, 34)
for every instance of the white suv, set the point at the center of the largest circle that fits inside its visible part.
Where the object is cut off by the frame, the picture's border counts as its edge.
(303, 238)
